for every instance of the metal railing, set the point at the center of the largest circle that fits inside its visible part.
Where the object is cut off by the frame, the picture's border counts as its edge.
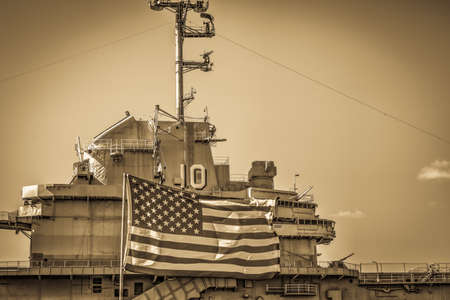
(135, 144)
(299, 289)
(308, 268)
(404, 273)
(58, 263)
(403, 278)
(410, 273)
(14, 265)
(293, 289)
(121, 145)
(321, 231)
(375, 267)
(68, 263)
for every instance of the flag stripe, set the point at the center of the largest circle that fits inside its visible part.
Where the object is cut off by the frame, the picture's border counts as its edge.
(219, 247)
(236, 207)
(191, 260)
(236, 228)
(208, 236)
(207, 256)
(237, 236)
(221, 202)
(232, 221)
(235, 214)
(208, 267)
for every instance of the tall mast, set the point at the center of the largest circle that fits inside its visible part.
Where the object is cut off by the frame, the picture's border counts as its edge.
(179, 93)
(182, 31)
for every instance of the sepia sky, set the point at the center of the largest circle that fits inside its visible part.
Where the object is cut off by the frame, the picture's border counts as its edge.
(70, 68)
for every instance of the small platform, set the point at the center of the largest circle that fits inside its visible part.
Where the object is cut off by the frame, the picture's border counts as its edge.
(16, 225)
(59, 268)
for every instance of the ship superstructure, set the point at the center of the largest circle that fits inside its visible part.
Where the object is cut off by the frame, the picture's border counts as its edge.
(75, 228)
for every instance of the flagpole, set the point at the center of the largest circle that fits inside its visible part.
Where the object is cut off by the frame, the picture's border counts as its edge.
(121, 237)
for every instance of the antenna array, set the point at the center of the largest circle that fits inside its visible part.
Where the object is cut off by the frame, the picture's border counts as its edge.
(182, 31)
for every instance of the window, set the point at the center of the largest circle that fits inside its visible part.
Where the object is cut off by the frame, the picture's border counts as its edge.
(124, 294)
(138, 288)
(97, 285)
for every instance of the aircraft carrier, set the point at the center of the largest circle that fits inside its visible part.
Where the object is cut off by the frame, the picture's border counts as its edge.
(75, 229)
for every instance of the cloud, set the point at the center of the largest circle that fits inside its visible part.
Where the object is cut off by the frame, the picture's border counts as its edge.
(439, 169)
(355, 214)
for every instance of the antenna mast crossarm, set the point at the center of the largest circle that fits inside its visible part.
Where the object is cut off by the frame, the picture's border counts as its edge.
(205, 65)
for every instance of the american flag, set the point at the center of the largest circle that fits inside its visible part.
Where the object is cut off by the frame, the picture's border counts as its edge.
(172, 232)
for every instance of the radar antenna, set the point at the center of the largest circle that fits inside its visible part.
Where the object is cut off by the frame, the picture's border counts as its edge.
(182, 31)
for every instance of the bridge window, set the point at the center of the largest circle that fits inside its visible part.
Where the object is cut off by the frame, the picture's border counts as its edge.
(97, 285)
(138, 288)
(124, 294)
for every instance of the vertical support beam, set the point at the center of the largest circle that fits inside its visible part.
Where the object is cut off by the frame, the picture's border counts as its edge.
(179, 82)
(179, 61)
(186, 154)
(156, 150)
